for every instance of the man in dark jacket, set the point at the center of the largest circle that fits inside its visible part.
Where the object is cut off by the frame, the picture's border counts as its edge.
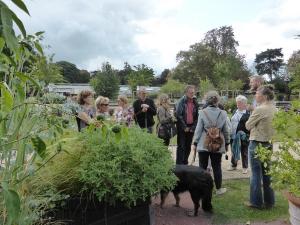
(187, 117)
(144, 110)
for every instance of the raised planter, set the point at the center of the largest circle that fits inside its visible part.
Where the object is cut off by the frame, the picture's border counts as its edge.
(82, 211)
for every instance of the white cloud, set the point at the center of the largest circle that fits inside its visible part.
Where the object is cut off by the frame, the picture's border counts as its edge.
(274, 28)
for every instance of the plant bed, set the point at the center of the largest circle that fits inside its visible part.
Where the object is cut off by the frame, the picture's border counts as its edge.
(87, 211)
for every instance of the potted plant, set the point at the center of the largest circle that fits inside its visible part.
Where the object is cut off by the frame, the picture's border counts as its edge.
(285, 162)
(110, 174)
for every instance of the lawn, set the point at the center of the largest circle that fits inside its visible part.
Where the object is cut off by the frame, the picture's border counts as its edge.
(229, 208)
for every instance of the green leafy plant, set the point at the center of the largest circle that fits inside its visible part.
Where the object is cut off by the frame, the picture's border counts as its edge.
(285, 163)
(125, 169)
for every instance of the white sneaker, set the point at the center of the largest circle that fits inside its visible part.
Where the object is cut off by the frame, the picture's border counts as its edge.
(245, 171)
(221, 191)
(230, 168)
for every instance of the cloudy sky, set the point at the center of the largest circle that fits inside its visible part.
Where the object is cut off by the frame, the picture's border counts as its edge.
(89, 32)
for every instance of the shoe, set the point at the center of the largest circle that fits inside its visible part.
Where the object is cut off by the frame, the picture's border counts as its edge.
(268, 206)
(245, 171)
(221, 191)
(231, 168)
(250, 205)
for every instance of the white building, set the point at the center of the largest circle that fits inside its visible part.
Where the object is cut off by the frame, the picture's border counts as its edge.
(71, 88)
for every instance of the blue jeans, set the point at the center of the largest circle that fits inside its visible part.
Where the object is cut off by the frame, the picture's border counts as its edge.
(259, 174)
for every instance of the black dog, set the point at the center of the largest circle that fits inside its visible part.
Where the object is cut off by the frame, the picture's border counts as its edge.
(195, 180)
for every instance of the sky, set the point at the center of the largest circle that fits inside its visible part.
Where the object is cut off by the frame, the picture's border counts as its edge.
(90, 32)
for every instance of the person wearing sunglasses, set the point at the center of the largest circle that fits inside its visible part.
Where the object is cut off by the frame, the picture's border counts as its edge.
(102, 106)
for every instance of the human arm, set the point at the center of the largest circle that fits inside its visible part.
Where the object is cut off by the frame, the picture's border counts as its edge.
(254, 118)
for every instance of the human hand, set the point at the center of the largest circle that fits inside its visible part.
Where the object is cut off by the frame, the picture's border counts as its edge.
(144, 109)
(193, 150)
(186, 129)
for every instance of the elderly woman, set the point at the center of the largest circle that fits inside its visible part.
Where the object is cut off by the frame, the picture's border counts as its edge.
(124, 114)
(239, 134)
(164, 114)
(212, 115)
(87, 111)
(261, 131)
(102, 106)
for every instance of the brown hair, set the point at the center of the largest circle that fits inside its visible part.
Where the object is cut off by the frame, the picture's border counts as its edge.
(123, 98)
(268, 91)
(101, 100)
(83, 95)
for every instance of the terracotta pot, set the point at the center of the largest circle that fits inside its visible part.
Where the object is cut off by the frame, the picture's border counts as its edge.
(292, 198)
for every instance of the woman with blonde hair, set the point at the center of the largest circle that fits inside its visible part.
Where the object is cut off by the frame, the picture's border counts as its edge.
(102, 106)
(164, 115)
(124, 114)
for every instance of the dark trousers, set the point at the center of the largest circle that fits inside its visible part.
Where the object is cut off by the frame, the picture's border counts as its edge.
(184, 142)
(244, 155)
(216, 159)
(167, 141)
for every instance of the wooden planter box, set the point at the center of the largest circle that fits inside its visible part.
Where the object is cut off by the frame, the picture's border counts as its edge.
(294, 208)
(81, 211)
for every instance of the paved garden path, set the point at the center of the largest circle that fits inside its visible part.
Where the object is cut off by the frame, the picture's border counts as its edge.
(171, 215)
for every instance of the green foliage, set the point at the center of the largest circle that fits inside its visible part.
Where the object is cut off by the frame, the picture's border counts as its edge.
(285, 163)
(294, 70)
(45, 70)
(127, 169)
(173, 87)
(21, 118)
(72, 74)
(52, 98)
(106, 82)
(230, 105)
(142, 75)
(205, 86)
(214, 58)
(269, 62)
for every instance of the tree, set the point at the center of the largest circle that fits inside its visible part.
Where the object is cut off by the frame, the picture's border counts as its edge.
(205, 86)
(45, 70)
(142, 75)
(124, 73)
(72, 74)
(83, 76)
(106, 82)
(269, 62)
(221, 40)
(293, 67)
(173, 87)
(208, 58)
(162, 78)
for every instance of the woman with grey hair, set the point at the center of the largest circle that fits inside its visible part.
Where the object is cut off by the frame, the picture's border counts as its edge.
(212, 116)
(239, 134)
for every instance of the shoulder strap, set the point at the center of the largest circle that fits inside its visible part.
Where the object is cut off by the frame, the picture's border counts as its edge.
(210, 121)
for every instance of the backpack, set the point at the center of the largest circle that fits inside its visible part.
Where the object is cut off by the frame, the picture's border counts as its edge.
(213, 140)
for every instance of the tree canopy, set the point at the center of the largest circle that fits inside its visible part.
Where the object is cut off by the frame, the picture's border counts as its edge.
(105, 82)
(269, 62)
(72, 74)
(214, 58)
(141, 75)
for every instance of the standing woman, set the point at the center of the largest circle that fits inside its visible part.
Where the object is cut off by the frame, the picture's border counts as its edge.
(87, 111)
(261, 131)
(124, 114)
(211, 116)
(163, 114)
(102, 106)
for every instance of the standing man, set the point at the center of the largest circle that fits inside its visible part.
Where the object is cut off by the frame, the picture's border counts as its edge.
(187, 117)
(255, 82)
(144, 110)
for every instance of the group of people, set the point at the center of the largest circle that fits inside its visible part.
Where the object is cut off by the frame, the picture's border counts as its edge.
(249, 127)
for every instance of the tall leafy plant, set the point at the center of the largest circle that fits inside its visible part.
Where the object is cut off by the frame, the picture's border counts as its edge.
(25, 125)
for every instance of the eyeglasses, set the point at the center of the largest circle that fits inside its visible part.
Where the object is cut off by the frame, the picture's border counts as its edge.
(105, 104)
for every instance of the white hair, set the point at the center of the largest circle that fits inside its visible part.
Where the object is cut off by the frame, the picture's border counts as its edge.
(241, 98)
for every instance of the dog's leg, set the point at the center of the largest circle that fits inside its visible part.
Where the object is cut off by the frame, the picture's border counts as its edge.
(196, 198)
(177, 198)
(163, 196)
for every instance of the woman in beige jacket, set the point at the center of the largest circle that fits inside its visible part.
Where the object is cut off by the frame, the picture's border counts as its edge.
(261, 131)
